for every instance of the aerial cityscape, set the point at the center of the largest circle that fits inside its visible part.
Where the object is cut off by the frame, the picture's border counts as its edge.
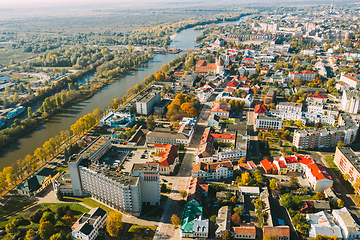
(179, 120)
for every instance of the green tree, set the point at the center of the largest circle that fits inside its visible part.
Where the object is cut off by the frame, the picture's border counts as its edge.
(287, 200)
(245, 179)
(48, 217)
(175, 220)
(150, 123)
(46, 229)
(114, 224)
(258, 175)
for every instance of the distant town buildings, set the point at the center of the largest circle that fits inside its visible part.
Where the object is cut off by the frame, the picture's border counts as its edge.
(145, 105)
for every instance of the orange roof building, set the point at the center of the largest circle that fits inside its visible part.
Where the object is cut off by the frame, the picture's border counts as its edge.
(221, 109)
(280, 232)
(168, 157)
(217, 170)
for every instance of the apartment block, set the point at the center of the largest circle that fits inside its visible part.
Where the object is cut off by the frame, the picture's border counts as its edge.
(289, 106)
(351, 79)
(87, 227)
(348, 163)
(146, 104)
(327, 137)
(270, 96)
(265, 122)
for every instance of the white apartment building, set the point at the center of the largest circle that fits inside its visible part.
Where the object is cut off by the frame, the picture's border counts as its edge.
(352, 80)
(289, 106)
(208, 171)
(91, 153)
(145, 105)
(321, 223)
(304, 75)
(349, 228)
(287, 115)
(350, 102)
(248, 100)
(265, 122)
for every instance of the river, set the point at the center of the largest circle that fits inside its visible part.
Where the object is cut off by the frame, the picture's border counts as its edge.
(63, 120)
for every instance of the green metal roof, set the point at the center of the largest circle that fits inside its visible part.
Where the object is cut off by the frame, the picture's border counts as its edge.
(189, 214)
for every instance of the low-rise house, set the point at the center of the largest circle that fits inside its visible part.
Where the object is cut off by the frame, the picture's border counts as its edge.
(221, 109)
(316, 99)
(205, 153)
(279, 232)
(118, 120)
(244, 232)
(268, 166)
(247, 167)
(88, 225)
(222, 221)
(349, 228)
(38, 182)
(351, 79)
(208, 171)
(244, 190)
(314, 206)
(214, 121)
(321, 223)
(197, 189)
(193, 225)
(168, 157)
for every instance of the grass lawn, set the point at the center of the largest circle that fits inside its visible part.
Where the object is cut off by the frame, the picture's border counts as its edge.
(227, 121)
(14, 205)
(141, 232)
(299, 199)
(63, 169)
(89, 202)
(77, 211)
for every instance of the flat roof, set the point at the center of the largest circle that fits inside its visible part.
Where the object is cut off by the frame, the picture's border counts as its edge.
(149, 167)
(148, 96)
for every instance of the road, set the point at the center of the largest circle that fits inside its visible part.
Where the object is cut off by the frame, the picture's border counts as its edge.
(254, 150)
(339, 189)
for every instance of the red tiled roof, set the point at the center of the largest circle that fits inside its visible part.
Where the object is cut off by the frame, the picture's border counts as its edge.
(260, 109)
(266, 164)
(223, 136)
(318, 171)
(252, 164)
(233, 84)
(352, 77)
(279, 231)
(316, 96)
(168, 156)
(245, 230)
(247, 59)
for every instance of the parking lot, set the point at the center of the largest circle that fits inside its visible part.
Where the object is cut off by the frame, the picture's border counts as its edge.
(136, 156)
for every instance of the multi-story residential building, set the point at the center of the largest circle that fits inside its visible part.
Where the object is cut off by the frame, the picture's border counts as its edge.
(350, 102)
(221, 109)
(304, 75)
(270, 96)
(289, 106)
(160, 108)
(214, 121)
(348, 163)
(205, 153)
(351, 79)
(218, 170)
(193, 225)
(327, 137)
(118, 120)
(316, 99)
(246, 69)
(265, 122)
(120, 191)
(145, 105)
(287, 115)
(349, 228)
(88, 225)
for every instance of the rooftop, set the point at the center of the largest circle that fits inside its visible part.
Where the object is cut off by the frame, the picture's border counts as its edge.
(148, 167)
(149, 96)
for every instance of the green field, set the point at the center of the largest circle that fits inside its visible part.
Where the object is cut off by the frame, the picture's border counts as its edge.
(89, 202)
(77, 211)
(141, 232)
(14, 205)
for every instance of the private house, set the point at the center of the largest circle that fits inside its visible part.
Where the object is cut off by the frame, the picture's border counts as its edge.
(88, 225)
(314, 206)
(244, 232)
(280, 232)
(38, 182)
(193, 225)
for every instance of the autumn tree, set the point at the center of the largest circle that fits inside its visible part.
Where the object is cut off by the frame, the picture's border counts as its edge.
(213, 218)
(320, 195)
(258, 175)
(114, 224)
(226, 235)
(175, 220)
(287, 200)
(11, 228)
(340, 203)
(30, 234)
(183, 194)
(239, 210)
(242, 160)
(272, 184)
(235, 219)
(245, 179)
